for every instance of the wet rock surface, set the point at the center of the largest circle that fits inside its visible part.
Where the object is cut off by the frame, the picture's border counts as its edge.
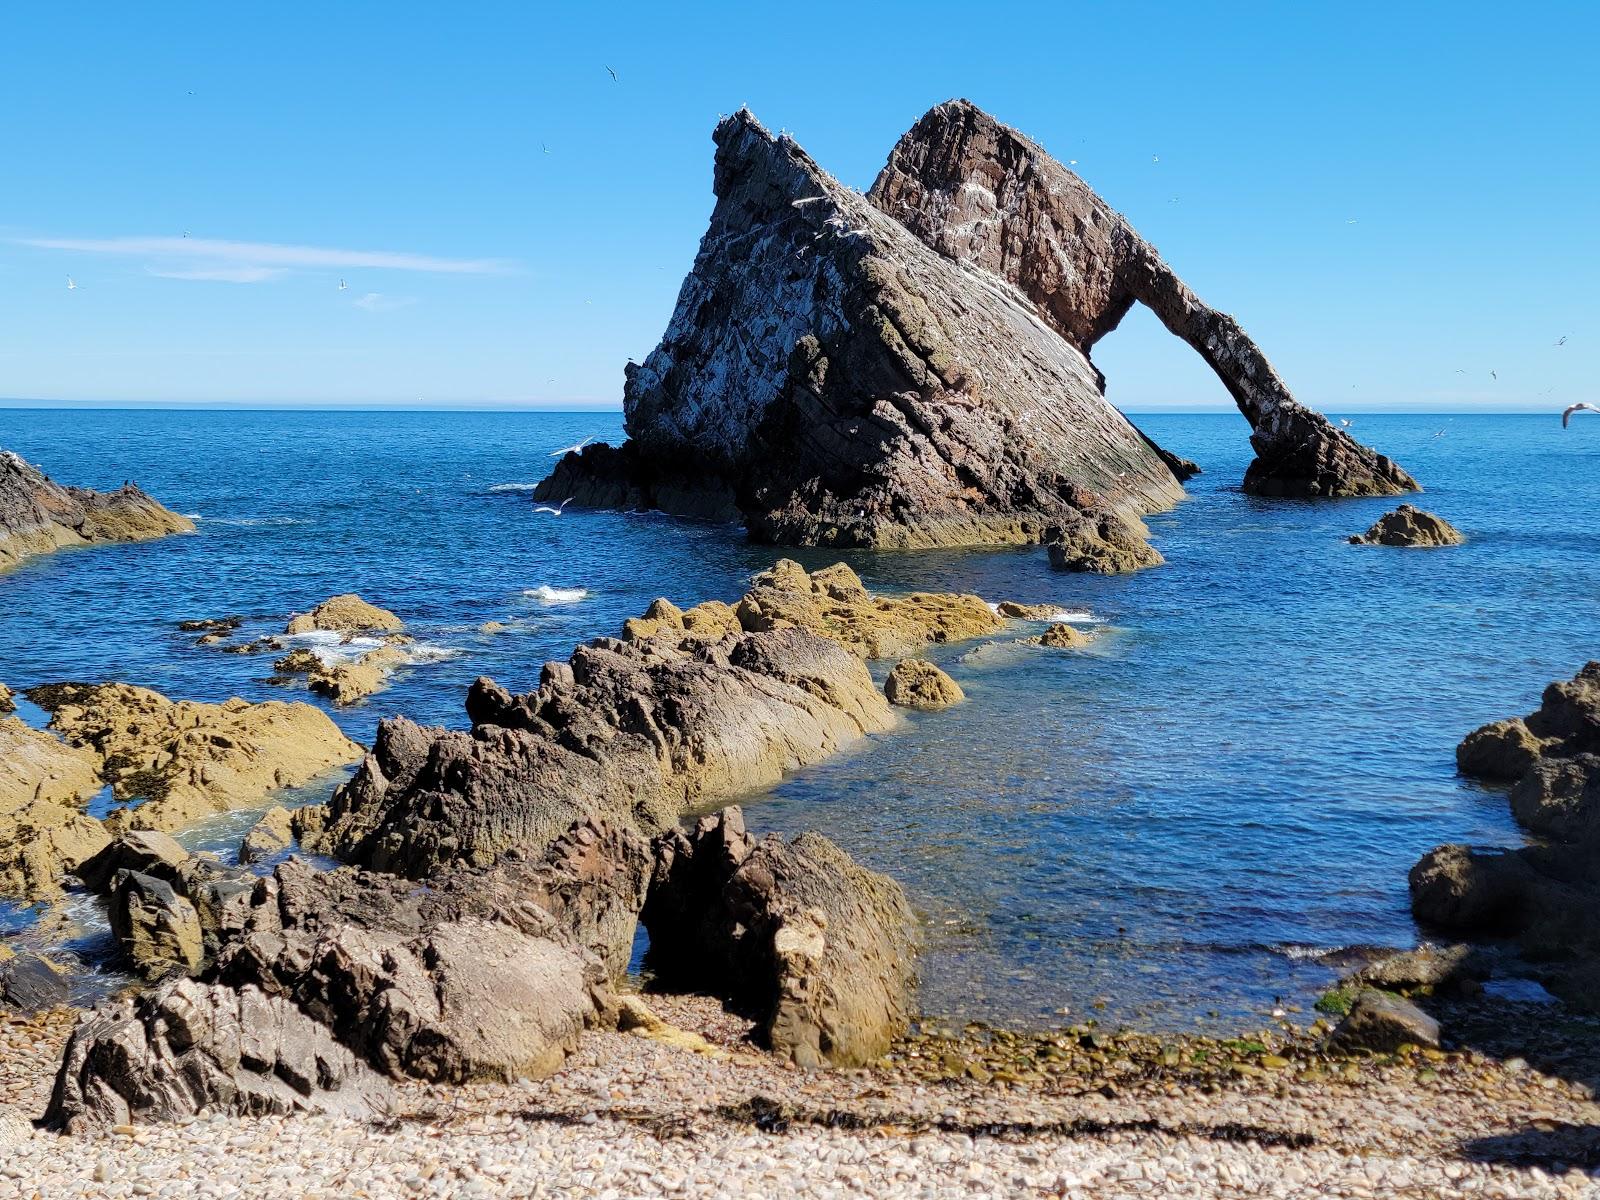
(981, 193)
(818, 949)
(835, 381)
(1544, 897)
(29, 982)
(915, 683)
(1381, 1022)
(1100, 545)
(1409, 526)
(38, 515)
(347, 613)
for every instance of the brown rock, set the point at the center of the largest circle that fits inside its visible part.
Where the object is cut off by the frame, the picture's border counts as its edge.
(38, 515)
(348, 613)
(982, 194)
(1382, 1023)
(1061, 636)
(272, 834)
(1101, 545)
(916, 683)
(1026, 612)
(189, 759)
(834, 381)
(30, 983)
(157, 929)
(1409, 526)
(189, 1047)
(44, 832)
(819, 949)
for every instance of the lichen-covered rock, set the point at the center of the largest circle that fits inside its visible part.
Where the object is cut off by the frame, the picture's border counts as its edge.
(835, 603)
(157, 929)
(38, 515)
(834, 381)
(818, 949)
(190, 1047)
(44, 831)
(1061, 636)
(1409, 526)
(982, 194)
(347, 613)
(272, 834)
(917, 683)
(187, 759)
(1100, 544)
(1382, 1023)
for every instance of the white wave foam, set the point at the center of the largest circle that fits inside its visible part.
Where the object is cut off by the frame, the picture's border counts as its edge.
(1291, 950)
(191, 516)
(546, 594)
(334, 648)
(1075, 616)
(247, 521)
(993, 607)
(513, 487)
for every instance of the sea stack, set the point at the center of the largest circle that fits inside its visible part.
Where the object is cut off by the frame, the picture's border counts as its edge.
(38, 515)
(830, 379)
(980, 193)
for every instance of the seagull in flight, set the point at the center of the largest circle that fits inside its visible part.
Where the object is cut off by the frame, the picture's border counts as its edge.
(556, 511)
(72, 284)
(1566, 414)
(1562, 340)
(1346, 422)
(566, 450)
(1492, 375)
(614, 78)
(343, 286)
(545, 146)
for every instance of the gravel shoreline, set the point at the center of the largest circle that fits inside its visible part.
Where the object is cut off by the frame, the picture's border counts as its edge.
(712, 1116)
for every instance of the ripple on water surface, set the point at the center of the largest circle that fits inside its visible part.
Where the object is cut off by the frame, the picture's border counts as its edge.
(1234, 777)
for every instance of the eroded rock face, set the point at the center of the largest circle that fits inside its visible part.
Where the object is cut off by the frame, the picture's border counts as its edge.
(38, 515)
(1061, 636)
(1545, 897)
(30, 982)
(980, 193)
(188, 759)
(158, 929)
(1100, 545)
(1409, 526)
(834, 381)
(818, 948)
(190, 1046)
(917, 683)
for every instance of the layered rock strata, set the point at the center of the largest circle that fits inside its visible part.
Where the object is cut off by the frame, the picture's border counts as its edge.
(38, 515)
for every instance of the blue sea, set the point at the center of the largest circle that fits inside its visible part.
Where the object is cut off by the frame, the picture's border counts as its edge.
(1162, 832)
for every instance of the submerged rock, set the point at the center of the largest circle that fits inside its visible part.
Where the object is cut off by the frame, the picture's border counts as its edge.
(1544, 897)
(916, 683)
(38, 515)
(980, 193)
(1409, 526)
(1061, 636)
(832, 380)
(347, 613)
(186, 759)
(817, 948)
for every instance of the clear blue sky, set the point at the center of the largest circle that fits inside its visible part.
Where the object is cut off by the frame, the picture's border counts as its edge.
(1396, 200)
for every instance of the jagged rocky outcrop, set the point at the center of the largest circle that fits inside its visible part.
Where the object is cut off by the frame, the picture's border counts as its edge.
(38, 515)
(687, 707)
(1544, 897)
(980, 193)
(1409, 526)
(334, 981)
(816, 947)
(832, 380)
(44, 831)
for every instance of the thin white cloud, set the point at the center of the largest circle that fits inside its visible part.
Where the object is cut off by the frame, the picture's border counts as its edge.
(239, 274)
(378, 302)
(271, 254)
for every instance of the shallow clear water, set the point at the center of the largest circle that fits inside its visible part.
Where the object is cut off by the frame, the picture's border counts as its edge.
(1243, 768)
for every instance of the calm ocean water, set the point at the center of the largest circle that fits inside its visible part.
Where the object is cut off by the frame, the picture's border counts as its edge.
(1243, 769)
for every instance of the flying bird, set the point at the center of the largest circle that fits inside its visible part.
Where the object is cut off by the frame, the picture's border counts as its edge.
(343, 286)
(1566, 414)
(614, 78)
(1155, 158)
(1492, 375)
(545, 146)
(566, 450)
(554, 512)
(1345, 421)
(72, 284)
(1562, 340)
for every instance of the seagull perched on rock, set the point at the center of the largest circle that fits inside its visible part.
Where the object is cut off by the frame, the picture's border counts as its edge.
(566, 450)
(1566, 414)
(554, 512)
